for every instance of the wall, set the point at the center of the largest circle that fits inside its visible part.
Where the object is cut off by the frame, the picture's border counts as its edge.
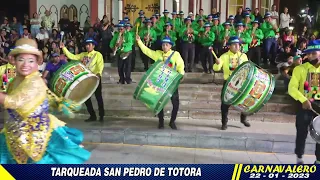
(83, 8)
(101, 7)
(223, 10)
(169, 6)
(185, 6)
(249, 4)
(206, 6)
(115, 11)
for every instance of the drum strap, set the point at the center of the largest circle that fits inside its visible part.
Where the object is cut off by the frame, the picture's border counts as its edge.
(168, 60)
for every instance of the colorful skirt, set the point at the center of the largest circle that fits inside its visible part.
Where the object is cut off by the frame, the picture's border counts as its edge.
(63, 148)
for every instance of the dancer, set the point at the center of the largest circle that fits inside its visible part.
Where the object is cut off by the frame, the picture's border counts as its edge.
(175, 59)
(303, 86)
(32, 135)
(229, 61)
(93, 60)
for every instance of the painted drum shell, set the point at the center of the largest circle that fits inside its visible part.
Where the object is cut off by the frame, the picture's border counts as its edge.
(74, 81)
(157, 86)
(254, 92)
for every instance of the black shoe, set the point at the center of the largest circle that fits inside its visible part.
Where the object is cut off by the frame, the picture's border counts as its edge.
(224, 127)
(246, 123)
(90, 119)
(121, 82)
(160, 126)
(101, 119)
(173, 125)
(129, 82)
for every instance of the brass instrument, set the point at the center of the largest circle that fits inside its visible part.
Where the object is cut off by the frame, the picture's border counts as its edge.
(167, 33)
(226, 36)
(147, 38)
(254, 41)
(190, 34)
(118, 45)
(173, 24)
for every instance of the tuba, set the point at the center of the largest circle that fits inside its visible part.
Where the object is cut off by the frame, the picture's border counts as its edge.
(254, 41)
(147, 38)
(116, 48)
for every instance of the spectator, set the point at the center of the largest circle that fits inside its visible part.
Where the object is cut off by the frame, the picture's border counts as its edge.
(87, 25)
(74, 25)
(274, 15)
(26, 34)
(239, 17)
(47, 22)
(52, 66)
(55, 36)
(16, 25)
(106, 36)
(35, 25)
(26, 22)
(42, 38)
(257, 15)
(6, 25)
(64, 23)
(284, 19)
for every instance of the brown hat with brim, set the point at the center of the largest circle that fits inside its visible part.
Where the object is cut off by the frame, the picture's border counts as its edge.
(26, 46)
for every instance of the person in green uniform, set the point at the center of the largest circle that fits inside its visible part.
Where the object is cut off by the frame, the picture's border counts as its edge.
(217, 28)
(139, 22)
(158, 27)
(224, 37)
(228, 62)
(157, 15)
(252, 17)
(270, 44)
(188, 36)
(198, 27)
(304, 87)
(254, 48)
(200, 15)
(149, 37)
(165, 18)
(171, 34)
(131, 31)
(247, 21)
(210, 19)
(121, 43)
(206, 39)
(175, 22)
(243, 35)
(181, 18)
(172, 59)
(231, 20)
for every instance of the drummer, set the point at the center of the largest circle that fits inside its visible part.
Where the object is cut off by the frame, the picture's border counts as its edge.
(52, 67)
(93, 60)
(175, 60)
(301, 88)
(229, 61)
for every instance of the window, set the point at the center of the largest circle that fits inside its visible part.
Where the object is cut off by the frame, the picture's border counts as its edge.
(233, 6)
(175, 5)
(265, 6)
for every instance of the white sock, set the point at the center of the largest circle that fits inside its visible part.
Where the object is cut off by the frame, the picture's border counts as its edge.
(299, 160)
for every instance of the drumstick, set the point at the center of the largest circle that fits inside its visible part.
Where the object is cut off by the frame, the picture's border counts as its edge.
(214, 54)
(61, 34)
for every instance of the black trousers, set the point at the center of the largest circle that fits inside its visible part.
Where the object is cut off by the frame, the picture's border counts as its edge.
(145, 59)
(225, 111)
(188, 53)
(98, 94)
(197, 52)
(255, 55)
(175, 108)
(206, 58)
(303, 120)
(105, 49)
(124, 68)
(133, 57)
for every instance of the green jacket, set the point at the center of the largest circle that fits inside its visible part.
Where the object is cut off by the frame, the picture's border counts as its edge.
(158, 27)
(176, 24)
(246, 40)
(184, 36)
(268, 30)
(258, 35)
(172, 35)
(252, 17)
(217, 29)
(223, 34)
(198, 17)
(137, 23)
(144, 32)
(163, 20)
(206, 40)
(128, 41)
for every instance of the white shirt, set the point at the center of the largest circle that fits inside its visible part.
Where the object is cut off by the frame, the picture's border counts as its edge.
(284, 20)
(41, 36)
(42, 67)
(274, 13)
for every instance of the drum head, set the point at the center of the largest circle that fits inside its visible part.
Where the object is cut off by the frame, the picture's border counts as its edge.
(316, 124)
(237, 83)
(83, 88)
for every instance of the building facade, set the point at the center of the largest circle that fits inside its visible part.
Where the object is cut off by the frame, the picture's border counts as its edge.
(115, 9)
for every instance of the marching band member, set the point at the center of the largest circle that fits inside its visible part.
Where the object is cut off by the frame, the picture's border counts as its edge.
(224, 37)
(158, 27)
(244, 36)
(270, 41)
(175, 22)
(254, 49)
(217, 28)
(129, 30)
(139, 22)
(188, 34)
(247, 21)
(121, 44)
(165, 18)
(231, 20)
(93, 60)
(206, 39)
(210, 19)
(181, 24)
(149, 38)
(176, 61)
(32, 135)
(199, 27)
(305, 78)
(171, 34)
(228, 62)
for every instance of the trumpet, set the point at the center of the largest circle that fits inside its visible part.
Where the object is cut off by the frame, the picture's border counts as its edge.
(226, 36)
(254, 41)
(190, 34)
(119, 40)
(167, 33)
(147, 38)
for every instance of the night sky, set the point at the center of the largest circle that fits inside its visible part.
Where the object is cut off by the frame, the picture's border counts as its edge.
(14, 8)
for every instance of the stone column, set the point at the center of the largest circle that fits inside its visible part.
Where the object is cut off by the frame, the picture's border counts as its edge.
(120, 9)
(194, 8)
(161, 6)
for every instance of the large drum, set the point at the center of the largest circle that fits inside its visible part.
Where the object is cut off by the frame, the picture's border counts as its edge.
(74, 81)
(249, 88)
(157, 86)
(314, 129)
